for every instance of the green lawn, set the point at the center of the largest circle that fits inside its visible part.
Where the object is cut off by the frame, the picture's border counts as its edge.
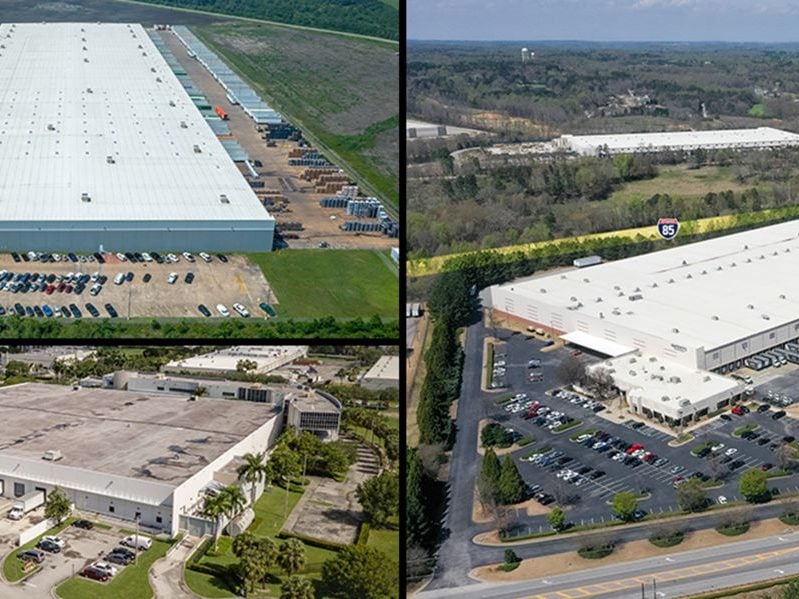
(12, 566)
(131, 582)
(386, 540)
(323, 282)
(269, 519)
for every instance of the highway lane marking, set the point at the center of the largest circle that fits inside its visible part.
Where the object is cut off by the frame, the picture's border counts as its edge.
(663, 577)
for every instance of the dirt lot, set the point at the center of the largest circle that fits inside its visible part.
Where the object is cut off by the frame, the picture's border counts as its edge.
(303, 203)
(214, 283)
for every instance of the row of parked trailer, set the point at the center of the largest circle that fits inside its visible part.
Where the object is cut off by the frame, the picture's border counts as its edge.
(778, 356)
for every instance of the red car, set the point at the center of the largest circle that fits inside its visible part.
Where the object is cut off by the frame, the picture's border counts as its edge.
(577, 353)
(95, 573)
(50, 289)
(738, 410)
(634, 447)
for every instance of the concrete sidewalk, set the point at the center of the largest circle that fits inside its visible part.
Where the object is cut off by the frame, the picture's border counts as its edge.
(166, 575)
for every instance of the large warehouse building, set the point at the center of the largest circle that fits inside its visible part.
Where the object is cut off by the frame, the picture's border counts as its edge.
(667, 141)
(125, 453)
(704, 306)
(101, 146)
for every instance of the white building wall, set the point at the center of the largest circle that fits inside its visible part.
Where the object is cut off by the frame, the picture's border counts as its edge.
(565, 321)
(721, 356)
(188, 495)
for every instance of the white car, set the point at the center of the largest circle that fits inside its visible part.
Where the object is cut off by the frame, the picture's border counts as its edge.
(717, 447)
(205, 257)
(731, 451)
(722, 499)
(223, 310)
(146, 257)
(173, 276)
(245, 313)
(137, 542)
(122, 257)
(105, 567)
(188, 256)
(58, 541)
(172, 258)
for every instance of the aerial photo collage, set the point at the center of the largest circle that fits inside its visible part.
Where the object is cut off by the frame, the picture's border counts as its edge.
(383, 299)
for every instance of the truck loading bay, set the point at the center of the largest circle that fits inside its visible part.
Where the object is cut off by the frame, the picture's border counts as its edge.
(320, 225)
(583, 467)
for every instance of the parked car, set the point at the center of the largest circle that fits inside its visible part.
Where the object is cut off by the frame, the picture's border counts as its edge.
(105, 566)
(33, 555)
(222, 310)
(241, 310)
(123, 551)
(57, 540)
(48, 546)
(94, 573)
(173, 276)
(118, 558)
(204, 310)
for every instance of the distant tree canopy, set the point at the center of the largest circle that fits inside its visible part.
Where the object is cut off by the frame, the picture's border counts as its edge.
(366, 17)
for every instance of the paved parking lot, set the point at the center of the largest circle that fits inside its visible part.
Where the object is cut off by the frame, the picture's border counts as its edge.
(236, 281)
(598, 477)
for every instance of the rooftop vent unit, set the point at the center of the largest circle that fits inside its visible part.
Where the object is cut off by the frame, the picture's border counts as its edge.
(110, 159)
(733, 265)
(671, 281)
(620, 294)
(542, 290)
(675, 379)
(637, 290)
(223, 198)
(704, 272)
(633, 360)
(183, 125)
(171, 102)
(653, 359)
(748, 260)
(765, 317)
(586, 281)
(602, 315)
(197, 149)
(84, 197)
(616, 287)
(158, 80)
(51, 127)
(85, 48)
(762, 257)
(719, 267)
(675, 330)
(665, 398)
(750, 306)
(706, 379)
(572, 298)
(52, 455)
(782, 296)
(85, 60)
(616, 312)
(775, 253)
(89, 90)
(632, 373)
(746, 247)
(689, 276)
(684, 263)
(653, 285)
(598, 300)
(563, 277)
(714, 317)
(635, 296)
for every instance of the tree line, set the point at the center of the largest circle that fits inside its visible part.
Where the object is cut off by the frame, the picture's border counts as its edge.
(365, 17)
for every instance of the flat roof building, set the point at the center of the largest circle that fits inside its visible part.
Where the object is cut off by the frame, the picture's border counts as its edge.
(266, 358)
(705, 306)
(100, 145)
(125, 452)
(675, 141)
(383, 374)
(314, 411)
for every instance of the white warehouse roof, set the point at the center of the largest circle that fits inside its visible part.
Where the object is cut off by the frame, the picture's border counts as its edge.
(73, 94)
(720, 138)
(705, 294)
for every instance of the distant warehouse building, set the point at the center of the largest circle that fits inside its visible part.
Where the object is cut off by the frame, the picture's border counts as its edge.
(384, 374)
(593, 145)
(714, 305)
(125, 454)
(266, 358)
(103, 147)
(674, 141)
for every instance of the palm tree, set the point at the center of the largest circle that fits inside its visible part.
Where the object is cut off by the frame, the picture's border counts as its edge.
(291, 558)
(252, 471)
(234, 501)
(215, 507)
(297, 587)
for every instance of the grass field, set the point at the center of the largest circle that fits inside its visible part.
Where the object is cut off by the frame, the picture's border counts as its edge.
(343, 92)
(269, 518)
(132, 582)
(315, 283)
(386, 540)
(679, 181)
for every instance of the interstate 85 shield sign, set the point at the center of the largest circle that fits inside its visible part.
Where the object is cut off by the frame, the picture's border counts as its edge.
(668, 227)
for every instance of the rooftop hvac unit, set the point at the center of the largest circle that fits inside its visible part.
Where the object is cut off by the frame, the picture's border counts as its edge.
(616, 287)
(572, 298)
(707, 378)
(52, 455)
(665, 398)
(671, 280)
(152, 69)
(748, 260)
(689, 276)
(675, 330)
(183, 125)
(674, 379)
(635, 296)
(543, 290)
(197, 149)
(84, 197)
(653, 359)
(85, 60)
(51, 127)
(782, 296)
(586, 281)
(632, 373)
(598, 300)
(89, 90)
(684, 263)
(750, 306)
(718, 267)
(765, 317)
(171, 102)
(714, 317)
(110, 159)
(223, 198)
(704, 272)
(733, 265)
(633, 360)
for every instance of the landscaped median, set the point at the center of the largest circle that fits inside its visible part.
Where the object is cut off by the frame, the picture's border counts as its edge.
(132, 582)
(13, 566)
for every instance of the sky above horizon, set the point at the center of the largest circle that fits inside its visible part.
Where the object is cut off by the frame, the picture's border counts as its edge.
(604, 20)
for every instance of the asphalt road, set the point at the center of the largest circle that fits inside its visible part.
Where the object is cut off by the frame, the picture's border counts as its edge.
(676, 575)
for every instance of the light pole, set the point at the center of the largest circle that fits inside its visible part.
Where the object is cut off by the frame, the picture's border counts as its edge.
(136, 539)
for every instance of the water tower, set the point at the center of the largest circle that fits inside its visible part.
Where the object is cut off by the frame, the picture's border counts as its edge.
(525, 55)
